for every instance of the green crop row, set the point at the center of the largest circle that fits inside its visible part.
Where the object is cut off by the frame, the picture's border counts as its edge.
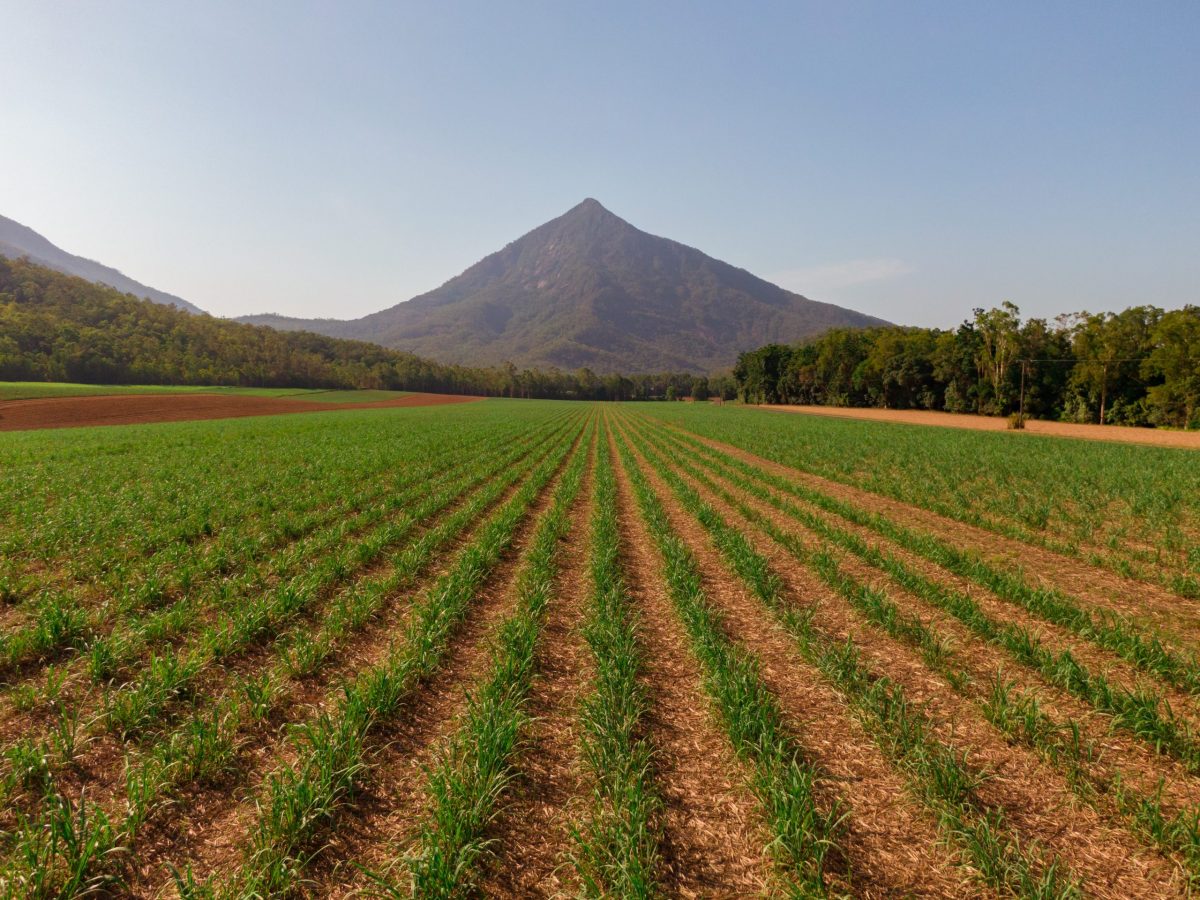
(199, 747)
(1134, 510)
(616, 845)
(331, 749)
(1141, 712)
(468, 779)
(941, 778)
(1102, 627)
(804, 833)
(1018, 714)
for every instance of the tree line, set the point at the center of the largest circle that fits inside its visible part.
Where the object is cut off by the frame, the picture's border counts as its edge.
(1140, 366)
(56, 327)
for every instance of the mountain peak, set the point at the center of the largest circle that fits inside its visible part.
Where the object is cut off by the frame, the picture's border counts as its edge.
(590, 289)
(589, 204)
(591, 210)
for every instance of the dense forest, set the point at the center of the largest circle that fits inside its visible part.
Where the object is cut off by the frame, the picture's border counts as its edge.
(55, 327)
(1136, 367)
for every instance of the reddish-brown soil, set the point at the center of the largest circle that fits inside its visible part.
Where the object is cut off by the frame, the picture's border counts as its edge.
(1154, 436)
(76, 412)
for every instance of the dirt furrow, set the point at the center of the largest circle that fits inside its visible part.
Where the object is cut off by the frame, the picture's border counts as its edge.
(383, 822)
(98, 767)
(257, 570)
(216, 820)
(1055, 637)
(1139, 765)
(892, 847)
(20, 723)
(390, 804)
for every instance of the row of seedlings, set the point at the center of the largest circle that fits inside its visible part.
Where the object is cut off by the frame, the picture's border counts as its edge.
(331, 750)
(202, 747)
(616, 843)
(467, 781)
(939, 777)
(1017, 713)
(805, 832)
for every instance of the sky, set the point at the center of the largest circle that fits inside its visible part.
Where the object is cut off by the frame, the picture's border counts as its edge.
(912, 160)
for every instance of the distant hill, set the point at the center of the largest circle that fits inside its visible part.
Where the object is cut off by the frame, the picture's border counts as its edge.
(589, 289)
(57, 327)
(17, 240)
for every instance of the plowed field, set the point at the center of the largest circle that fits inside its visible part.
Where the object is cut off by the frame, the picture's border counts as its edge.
(1157, 437)
(74, 412)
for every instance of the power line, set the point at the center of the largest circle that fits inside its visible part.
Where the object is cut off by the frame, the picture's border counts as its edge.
(1075, 360)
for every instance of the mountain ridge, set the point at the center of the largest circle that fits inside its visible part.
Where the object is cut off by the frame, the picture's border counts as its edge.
(589, 289)
(17, 241)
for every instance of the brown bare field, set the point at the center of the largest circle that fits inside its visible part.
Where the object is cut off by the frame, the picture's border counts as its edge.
(1151, 436)
(133, 409)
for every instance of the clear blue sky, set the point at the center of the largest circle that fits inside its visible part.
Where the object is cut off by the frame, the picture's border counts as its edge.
(909, 159)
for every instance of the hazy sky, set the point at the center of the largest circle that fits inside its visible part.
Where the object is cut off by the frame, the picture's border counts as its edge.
(909, 159)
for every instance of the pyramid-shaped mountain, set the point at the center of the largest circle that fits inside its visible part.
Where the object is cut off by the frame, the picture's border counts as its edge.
(589, 289)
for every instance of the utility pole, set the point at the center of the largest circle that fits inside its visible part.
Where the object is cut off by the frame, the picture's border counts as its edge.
(1022, 413)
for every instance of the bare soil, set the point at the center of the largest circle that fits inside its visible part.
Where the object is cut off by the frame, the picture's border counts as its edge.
(77, 412)
(1153, 436)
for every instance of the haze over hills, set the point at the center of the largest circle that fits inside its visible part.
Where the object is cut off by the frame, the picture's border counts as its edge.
(589, 289)
(17, 240)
